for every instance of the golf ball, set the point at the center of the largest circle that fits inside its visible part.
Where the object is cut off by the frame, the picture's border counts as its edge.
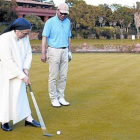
(58, 132)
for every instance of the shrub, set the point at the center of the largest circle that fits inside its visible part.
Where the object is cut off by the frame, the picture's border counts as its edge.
(118, 36)
(36, 21)
(96, 31)
(125, 34)
(107, 32)
(3, 27)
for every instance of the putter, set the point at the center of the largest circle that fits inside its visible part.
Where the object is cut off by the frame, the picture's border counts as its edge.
(43, 127)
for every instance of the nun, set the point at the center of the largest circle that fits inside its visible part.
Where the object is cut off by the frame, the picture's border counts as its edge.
(15, 62)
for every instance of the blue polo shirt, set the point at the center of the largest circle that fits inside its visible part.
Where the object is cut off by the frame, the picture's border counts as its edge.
(57, 32)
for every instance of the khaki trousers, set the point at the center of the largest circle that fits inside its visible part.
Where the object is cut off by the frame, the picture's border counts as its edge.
(58, 67)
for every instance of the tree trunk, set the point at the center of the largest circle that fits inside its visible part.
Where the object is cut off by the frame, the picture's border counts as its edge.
(137, 33)
(127, 29)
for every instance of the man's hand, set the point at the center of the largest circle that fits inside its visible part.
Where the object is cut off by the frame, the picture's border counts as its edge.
(43, 57)
(69, 56)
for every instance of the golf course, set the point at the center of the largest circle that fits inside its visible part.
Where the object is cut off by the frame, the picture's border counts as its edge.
(104, 92)
(89, 89)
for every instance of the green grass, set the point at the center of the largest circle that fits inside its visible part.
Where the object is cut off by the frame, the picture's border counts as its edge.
(34, 42)
(104, 92)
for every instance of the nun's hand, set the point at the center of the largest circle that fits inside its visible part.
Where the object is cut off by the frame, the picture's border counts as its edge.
(43, 57)
(26, 80)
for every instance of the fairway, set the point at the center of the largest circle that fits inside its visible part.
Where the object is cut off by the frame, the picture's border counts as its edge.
(104, 92)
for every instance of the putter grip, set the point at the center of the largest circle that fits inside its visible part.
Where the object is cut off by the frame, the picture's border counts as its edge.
(30, 88)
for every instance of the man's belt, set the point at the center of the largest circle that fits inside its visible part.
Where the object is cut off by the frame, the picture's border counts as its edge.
(59, 47)
(62, 48)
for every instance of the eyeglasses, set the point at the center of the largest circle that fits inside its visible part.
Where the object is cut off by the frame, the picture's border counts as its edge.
(25, 33)
(64, 14)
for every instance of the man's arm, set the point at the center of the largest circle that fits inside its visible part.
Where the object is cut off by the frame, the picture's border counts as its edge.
(69, 53)
(69, 41)
(43, 50)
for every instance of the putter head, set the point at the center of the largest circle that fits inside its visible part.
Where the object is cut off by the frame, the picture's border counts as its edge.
(45, 133)
(48, 135)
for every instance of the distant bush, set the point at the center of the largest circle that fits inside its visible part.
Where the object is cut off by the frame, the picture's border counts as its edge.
(96, 31)
(125, 34)
(118, 36)
(3, 27)
(36, 21)
(40, 34)
(107, 32)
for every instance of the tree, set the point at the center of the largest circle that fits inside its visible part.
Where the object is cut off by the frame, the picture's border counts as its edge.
(82, 18)
(73, 2)
(137, 22)
(103, 15)
(8, 10)
(115, 7)
(126, 16)
(35, 21)
(137, 5)
(137, 17)
(101, 20)
(85, 18)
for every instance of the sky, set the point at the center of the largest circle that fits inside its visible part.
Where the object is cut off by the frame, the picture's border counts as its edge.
(97, 2)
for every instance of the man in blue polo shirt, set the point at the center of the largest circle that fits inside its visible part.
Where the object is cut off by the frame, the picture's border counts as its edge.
(57, 33)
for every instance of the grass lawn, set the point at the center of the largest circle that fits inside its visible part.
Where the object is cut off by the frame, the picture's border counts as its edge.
(104, 92)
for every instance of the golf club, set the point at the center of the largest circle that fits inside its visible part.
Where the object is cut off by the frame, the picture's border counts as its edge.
(44, 129)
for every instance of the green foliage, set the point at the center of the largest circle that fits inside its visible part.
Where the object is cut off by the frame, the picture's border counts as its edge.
(81, 17)
(3, 27)
(84, 33)
(40, 35)
(96, 31)
(87, 17)
(118, 35)
(36, 21)
(7, 10)
(107, 32)
(125, 16)
(137, 5)
(74, 33)
(73, 2)
(125, 34)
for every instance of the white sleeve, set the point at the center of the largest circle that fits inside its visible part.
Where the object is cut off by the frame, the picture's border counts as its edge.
(28, 57)
(7, 60)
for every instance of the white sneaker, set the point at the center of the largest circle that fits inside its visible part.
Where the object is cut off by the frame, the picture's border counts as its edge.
(62, 101)
(55, 103)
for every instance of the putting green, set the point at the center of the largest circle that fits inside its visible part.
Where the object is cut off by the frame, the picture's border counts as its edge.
(104, 92)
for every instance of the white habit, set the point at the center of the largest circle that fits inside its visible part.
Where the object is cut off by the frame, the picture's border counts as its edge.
(15, 55)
